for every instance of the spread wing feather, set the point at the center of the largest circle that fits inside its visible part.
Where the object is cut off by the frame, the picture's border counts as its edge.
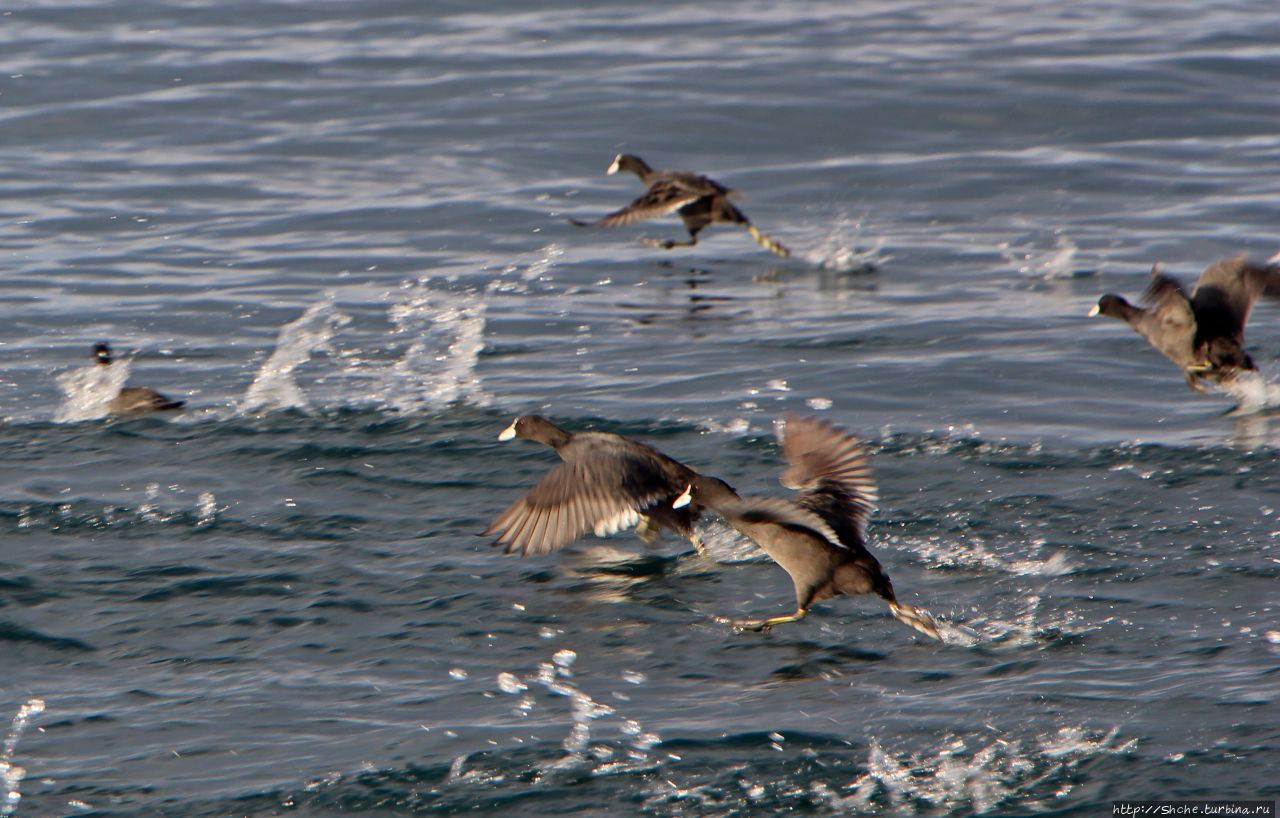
(831, 469)
(663, 198)
(573, 498)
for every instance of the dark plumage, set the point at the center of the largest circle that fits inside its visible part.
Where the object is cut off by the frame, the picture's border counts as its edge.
(605, 483)
(133, 400)
(700, 201)
(819, 537)
(1202, 333)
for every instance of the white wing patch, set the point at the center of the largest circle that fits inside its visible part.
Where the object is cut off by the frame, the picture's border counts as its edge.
(623, 519)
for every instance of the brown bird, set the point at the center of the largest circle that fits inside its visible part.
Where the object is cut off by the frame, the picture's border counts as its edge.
(700, 201)
(819, 537)
(1203, 333)
(133, 400)
(605, 483)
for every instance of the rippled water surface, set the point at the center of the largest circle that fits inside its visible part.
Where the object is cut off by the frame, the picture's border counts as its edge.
(338, 230)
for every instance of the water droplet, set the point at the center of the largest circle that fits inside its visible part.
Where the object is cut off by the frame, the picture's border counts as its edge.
(564, 658)
(510, 683)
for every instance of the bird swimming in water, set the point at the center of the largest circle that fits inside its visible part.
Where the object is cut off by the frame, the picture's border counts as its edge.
(605, 483)
(700, 201)
(819, 537)
(1201, 332)
(133, 400)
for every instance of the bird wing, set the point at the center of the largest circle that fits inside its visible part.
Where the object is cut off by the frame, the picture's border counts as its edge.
(573, 498)
(1162, 288)
(1227, 289)
(787, 514)
(831, 469)
(1169, 322)
(663, 197)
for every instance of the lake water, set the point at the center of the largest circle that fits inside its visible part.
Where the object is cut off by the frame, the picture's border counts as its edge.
(338, 230)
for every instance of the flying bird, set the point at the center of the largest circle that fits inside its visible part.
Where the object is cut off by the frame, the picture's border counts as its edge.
(1202, 332)
(699, 200)
(819, 535)
(604, 483)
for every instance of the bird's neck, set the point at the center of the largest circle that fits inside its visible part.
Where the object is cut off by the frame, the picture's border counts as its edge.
(556, 438)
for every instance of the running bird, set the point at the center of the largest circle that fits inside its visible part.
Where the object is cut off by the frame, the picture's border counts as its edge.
(605, 483)
(133, 400)
(699, 201)
(819, 537)
(1203, 333)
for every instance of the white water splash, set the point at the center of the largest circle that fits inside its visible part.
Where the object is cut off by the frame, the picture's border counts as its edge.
(439, 366)
(206, 509)
(274, 386)
(838, 254)
(1029, 626)
(961, 773)
(1251, 392)
(1060, 262)
(530, 267)
(945, 552)
(556, 677)
(11, 774)
(733, 426)
(87, 391)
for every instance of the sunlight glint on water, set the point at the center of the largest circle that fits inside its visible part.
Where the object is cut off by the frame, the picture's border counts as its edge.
(11, 774)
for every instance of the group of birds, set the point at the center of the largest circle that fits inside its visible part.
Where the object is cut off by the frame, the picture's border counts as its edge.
(606, 482)
(1202, 331)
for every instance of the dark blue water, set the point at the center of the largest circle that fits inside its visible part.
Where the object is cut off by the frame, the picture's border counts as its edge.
(338, 231)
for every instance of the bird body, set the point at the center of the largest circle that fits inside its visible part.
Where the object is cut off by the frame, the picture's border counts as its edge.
(699, 200)
(1202, 332)
(605, 483)
(133, 400)
(139, 400)
(818, 537)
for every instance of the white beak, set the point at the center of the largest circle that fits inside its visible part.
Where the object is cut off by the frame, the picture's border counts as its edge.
(614, 167)
(684, 499)
(1094, 312)
(508, 433)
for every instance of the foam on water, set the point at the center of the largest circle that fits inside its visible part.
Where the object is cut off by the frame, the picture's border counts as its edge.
(438, 368)
(274, 386)
(87, 391)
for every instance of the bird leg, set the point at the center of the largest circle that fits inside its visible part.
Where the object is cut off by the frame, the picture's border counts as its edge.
(762, 625)
(698, 544)
(667, 244)
(917, 618)
(648, 530)
(1193, 381)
